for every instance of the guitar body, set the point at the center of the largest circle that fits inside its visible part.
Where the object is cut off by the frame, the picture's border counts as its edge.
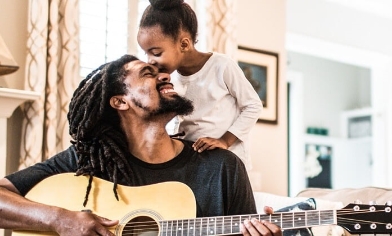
(167, 200)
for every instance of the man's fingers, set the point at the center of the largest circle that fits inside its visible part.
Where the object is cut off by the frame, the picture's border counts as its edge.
(268, 210)
(106, 222)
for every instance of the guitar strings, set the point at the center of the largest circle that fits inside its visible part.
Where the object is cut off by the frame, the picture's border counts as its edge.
(201, 224)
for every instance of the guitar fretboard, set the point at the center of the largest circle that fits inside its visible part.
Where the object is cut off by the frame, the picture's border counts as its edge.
(228, 225)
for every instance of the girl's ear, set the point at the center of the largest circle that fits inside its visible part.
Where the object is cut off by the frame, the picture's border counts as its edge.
(118, 103)
(185, 44)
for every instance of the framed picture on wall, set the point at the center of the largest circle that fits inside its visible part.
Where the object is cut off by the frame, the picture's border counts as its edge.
(261, 69)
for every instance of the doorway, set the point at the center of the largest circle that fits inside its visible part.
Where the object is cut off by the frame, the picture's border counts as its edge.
(324, 160)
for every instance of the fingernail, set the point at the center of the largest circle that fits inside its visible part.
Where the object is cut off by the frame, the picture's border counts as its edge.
(246, 222)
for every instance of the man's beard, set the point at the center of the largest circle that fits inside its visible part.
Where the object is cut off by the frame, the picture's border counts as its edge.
(177, 104)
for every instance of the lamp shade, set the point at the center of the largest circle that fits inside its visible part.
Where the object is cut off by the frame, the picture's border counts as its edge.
(7, 62)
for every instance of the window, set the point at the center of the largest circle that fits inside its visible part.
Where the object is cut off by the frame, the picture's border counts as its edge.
(108, 30)
(104, 30)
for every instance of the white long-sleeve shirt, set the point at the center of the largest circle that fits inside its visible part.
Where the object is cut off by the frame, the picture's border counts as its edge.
(224, 100)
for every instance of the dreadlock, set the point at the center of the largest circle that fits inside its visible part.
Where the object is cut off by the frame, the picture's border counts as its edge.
(95, 126)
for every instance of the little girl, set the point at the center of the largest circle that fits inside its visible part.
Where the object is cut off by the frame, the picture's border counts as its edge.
(226, 104)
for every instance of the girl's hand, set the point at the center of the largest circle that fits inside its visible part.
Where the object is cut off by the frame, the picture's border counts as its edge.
(207, 143)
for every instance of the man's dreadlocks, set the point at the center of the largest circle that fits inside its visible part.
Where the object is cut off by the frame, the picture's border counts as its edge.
(95, 126)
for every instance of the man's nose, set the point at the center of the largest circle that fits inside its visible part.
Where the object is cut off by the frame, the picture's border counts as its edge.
(164, 77)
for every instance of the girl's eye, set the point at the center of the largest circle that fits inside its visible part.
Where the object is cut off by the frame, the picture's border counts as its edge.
(157, 54)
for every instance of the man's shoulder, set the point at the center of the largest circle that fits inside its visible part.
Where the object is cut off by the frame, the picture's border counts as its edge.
(223, 155)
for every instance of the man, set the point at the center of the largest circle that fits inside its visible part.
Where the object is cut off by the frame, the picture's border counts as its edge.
(117, 120)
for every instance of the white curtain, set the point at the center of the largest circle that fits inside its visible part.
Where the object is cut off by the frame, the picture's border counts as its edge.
(52, 68)
(218, 25)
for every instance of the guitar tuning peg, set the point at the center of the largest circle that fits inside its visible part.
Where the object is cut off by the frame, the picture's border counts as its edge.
(357, 201)
(388, 203)
(372, 203)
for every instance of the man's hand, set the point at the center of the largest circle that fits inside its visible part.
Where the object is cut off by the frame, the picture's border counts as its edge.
(82, 223)
(255, 227)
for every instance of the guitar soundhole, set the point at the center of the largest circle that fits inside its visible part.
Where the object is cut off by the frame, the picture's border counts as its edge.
(141, 226)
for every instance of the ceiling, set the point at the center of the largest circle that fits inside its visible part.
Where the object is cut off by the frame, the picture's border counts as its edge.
(378, 7)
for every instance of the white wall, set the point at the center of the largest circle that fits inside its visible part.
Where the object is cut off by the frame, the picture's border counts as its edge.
(356, 36)
(261, 25)
(329, 89)
(348, 23)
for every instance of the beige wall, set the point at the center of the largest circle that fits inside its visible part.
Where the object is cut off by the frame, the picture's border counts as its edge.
(13, 29)
(261, 25)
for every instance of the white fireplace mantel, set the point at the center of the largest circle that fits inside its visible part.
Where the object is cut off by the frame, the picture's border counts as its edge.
(10, 99)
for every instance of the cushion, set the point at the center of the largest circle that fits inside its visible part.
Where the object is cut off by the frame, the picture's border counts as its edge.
(350, 195)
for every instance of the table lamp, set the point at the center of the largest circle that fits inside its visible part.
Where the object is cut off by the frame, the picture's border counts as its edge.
(7, 62)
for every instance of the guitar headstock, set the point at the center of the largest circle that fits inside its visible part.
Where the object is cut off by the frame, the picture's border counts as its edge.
(366, 219)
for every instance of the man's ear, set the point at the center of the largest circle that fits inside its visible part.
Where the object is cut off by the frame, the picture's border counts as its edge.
(118, 103)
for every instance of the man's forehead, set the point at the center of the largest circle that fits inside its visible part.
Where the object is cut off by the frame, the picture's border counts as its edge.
(137, 65)
(134, 65)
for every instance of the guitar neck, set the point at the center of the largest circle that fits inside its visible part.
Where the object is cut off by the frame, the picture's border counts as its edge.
(227, 225)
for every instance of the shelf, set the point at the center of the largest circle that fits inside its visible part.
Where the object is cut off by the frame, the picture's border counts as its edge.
(10, 99)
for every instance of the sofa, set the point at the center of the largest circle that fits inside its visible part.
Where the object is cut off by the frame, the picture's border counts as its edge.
(365, 195)
(329, 199)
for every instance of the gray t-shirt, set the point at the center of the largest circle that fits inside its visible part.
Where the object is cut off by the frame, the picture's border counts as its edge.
(218, 177)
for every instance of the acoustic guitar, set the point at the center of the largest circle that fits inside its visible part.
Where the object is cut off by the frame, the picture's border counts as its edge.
(169, 208)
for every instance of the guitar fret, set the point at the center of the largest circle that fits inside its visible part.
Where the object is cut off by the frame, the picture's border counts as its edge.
(163, 228)
(231, 226)
(171, 228)
(326, 217)
(287, 220)
(299, 219)
(175, 227)
(205, 227)
(211, 226)
(313, 218)
(274, 218)
(235, 226)
(221, 223)
(191, 227)
(198, 226)
(185, 227)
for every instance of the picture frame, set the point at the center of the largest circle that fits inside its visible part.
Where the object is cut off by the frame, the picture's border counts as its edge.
(261, 69)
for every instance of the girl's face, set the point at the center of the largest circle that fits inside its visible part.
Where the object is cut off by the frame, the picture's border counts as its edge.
(162, 50)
